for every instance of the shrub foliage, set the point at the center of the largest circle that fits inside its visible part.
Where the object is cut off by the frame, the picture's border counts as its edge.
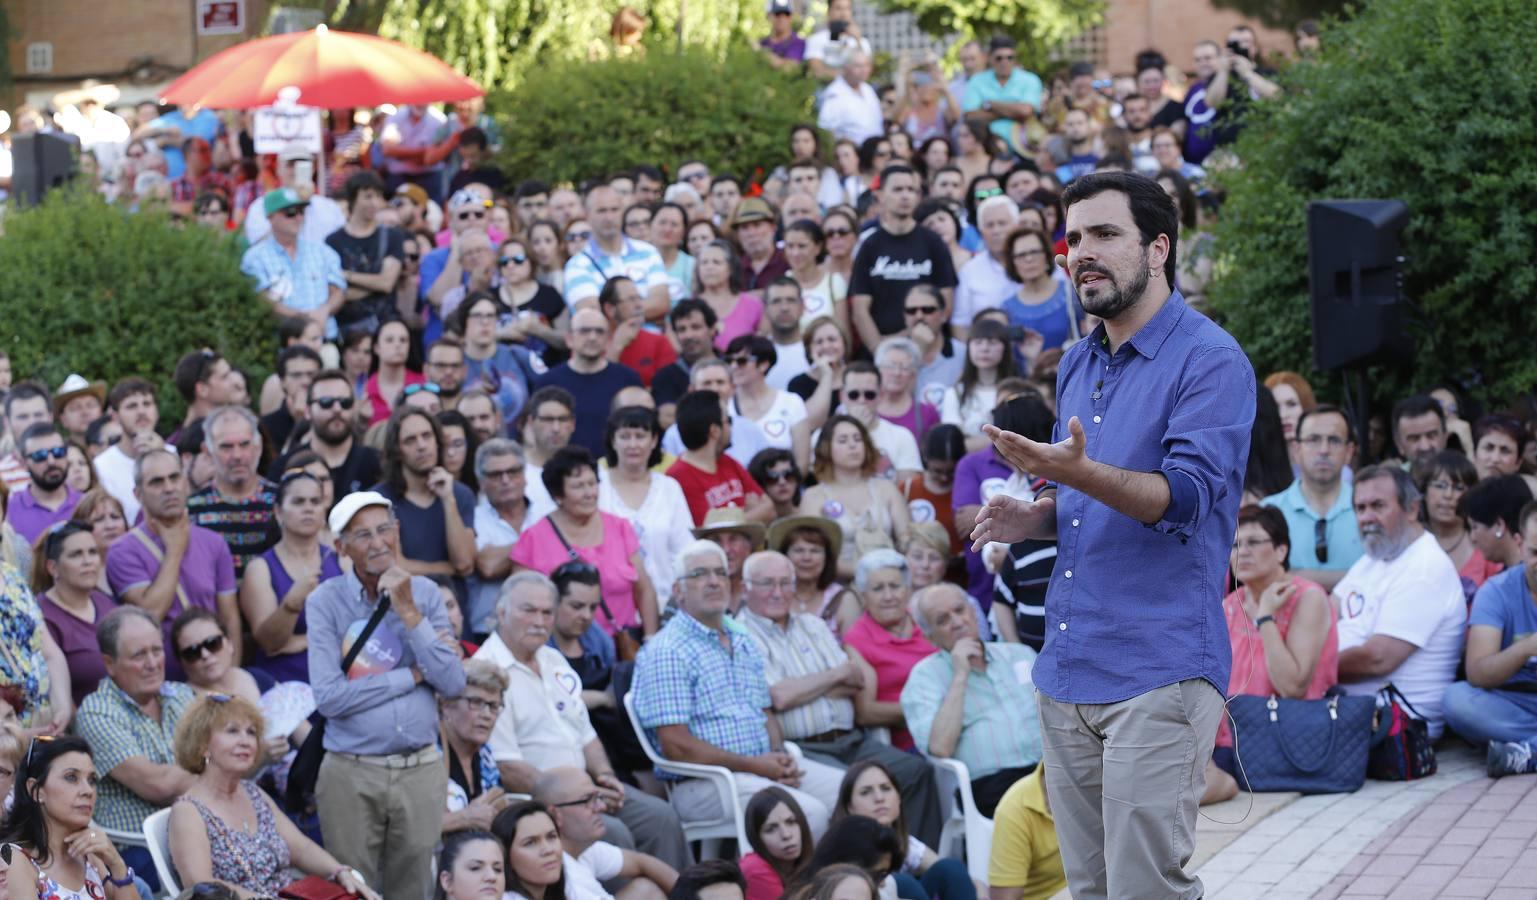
(1431, 103)
(567, 121)
(86, 287)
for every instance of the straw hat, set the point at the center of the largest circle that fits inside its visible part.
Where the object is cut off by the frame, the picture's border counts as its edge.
(76, 386)
(779, 531)
(730, 518)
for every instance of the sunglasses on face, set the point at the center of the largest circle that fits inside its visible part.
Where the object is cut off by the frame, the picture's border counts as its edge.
(578, 236)
(838, 232)
(329, 402)
(1321, 540)
(293, 212)
(921, 310)
(194, 652)
(781, 475)
(58, 452)
(472, 214)
(866, 395)
(518, 258)
(413, 257)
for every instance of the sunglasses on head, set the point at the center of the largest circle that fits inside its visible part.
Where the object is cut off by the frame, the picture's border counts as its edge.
(58, 452)
(414, 389)
(329, 402)
(518, 258)
(194, 652)
(985, 193)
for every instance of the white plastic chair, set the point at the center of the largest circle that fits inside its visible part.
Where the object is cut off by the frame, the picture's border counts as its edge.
(964, 823)
(157, 838)
(708, 832)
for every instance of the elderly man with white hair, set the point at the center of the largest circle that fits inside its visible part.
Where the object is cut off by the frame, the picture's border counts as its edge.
(972, 701)
(702, 695)
(984, 281)
(850, 108)
(544, 725)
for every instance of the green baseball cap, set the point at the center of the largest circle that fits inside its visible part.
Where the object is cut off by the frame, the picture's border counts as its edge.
(279, 199)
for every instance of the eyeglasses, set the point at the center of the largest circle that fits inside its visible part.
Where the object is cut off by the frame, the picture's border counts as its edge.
(784, 584)
(860, 395)
(329, 402)
(838, 232)
(194, 652)
(1029, 254)
(366, 537)
(553, 420)
(694, 176)
(1321, 540)
(594, 800)
(1449, 487)
(413, 389)
(578, 236)
(472, 214)
(695, 574)
(1250, 544)
(740, 361)
(1332, 441)
(58, 452)
(921, 310)
(413, 257)
(293, 212)
(475, 704)
(781, 475)
(518, 258)
(1000, 57)
(500, 474)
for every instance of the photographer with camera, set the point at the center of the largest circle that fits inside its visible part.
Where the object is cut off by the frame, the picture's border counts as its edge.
(1238, 80)
(829, 48)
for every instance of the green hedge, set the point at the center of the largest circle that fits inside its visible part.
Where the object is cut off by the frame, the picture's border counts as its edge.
(1431, 103)
(86, 287)
(573, 120)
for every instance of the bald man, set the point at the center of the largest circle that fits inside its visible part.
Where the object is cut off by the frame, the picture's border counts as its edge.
(577, 806)
(591, 377)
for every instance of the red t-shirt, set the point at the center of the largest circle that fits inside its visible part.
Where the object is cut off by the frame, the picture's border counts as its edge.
(728, 485)
(648, 354)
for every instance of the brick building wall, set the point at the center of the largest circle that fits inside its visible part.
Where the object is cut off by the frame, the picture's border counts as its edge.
(1173, 27)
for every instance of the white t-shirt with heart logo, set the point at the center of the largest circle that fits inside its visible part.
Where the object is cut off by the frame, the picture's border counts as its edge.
(783, 415)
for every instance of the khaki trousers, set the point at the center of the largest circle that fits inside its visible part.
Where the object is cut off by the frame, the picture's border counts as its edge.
(384, 820)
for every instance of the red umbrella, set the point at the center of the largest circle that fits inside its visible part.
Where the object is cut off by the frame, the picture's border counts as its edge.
(331, 69)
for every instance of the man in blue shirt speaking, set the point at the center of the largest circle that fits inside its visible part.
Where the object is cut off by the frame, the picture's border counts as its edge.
(1146, 472)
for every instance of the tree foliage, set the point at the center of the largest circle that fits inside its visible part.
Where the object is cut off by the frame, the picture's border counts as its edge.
(1430, 103)
(1040, 26)
(582, 119)
(93, 289)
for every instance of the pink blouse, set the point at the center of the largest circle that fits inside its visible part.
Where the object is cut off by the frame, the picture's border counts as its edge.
(539, 548)
(743, 319)
(892, 658)
(1249, 675)
(763, 883)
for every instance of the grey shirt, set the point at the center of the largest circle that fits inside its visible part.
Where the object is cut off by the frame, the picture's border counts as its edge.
(381, 709)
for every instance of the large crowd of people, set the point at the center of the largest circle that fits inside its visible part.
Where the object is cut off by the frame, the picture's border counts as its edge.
(554, 480)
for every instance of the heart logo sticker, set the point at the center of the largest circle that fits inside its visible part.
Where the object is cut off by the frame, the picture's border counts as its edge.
(775, 428)
(568, 682)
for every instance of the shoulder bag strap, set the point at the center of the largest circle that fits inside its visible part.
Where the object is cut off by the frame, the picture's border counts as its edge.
(372, 625)
(575, 557)
(159, 555)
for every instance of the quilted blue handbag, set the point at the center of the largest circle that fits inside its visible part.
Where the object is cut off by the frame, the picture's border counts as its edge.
(1308, 746)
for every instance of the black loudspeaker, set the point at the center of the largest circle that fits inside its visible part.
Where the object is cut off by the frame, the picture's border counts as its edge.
(1355, 282)
(41, 162)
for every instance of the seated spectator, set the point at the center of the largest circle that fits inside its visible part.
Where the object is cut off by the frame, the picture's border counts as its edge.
(1419, 428)
(66, 574)
(1493, 508)
(739, 538)
(969, 402)
(837, 881)
(1025, 862)
(503, 512)
(775, 412)
(544, 723)
(223, 827)
(48, 498)
(775, 471)
(166, 563)
(895, 445)
(644, 352)
(866, 845)
(1043, 304)
(957, 701)
(1321, 528)
(1282, 629)
(53, 809)
(929, 495)
(1499, 443)
(606, 249)
(475, 793)
(629, 487)
(709, 477)
(869, 510)
(577, 528)
(237, 505)
(1443, 481)
(811, 682)
(813, 545)
(33, 671)
(988, 279)
(896, 361)
(713, 879)
(103, 515)
(132, 403)
(781, 843)
(1401, 610)
(827, 347)
(927, 551)
(1498, 702)
(577, 804)
(701, 694)
(718, 282)
(549, 420)
(590, 377)
(535, 858)
(278, 583)
(79, 474)
(470, 866)
(885, 642)
(206, 652)
(869, 789)
(694, 328)
(128, 722)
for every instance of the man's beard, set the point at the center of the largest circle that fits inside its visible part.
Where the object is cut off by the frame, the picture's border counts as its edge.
(1379, 545)
(1110, 304)
(51, 478)
(333, 432)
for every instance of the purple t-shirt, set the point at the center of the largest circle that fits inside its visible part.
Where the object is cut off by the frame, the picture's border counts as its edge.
(31, 519)
(978, 476)
(918, 419)
(792, 47)
(207, 570)
(78, 641)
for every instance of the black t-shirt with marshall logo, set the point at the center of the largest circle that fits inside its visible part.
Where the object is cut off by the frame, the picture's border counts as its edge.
(888, 265)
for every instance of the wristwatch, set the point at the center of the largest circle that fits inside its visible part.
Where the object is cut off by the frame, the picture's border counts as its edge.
(987, 105)
(1260, 622)
(125, 881)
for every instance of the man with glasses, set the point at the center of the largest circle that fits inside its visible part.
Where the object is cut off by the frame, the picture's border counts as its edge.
(701, 693)
(544, 724)
(1005, 95)
(372, 254)
(590, 377)
(1322, 526)
(333, 435)
(382, 784)
(548, 423)
(609, 253)
(300, 276)
(502, 513)
(812, 682)
(48, 499)
(321, 218)
(166, 563)
(238, 504)
(445, 368)
(26, 404)
(576, 805)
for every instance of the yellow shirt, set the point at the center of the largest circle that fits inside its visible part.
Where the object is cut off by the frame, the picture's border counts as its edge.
(1025, 853)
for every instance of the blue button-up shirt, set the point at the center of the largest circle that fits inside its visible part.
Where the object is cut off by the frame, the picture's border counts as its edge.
(380, 709)
(1133, 607)
(302, 281)
(684, 676)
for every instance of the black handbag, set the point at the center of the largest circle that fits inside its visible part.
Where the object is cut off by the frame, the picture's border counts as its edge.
(305, 771)
(1308, 746)
(1401, 748)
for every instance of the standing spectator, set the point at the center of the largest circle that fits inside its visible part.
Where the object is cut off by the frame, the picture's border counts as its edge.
(784, 311)
(198, 178)
(26, 405)
(1043, 304)
(718, 278)
(48, 499)
(607, 253)
(77, 404)
(668, 226)
(1200, 112)
(969, 402)
(590, 377)
(372, 255)
(1323, 538)
(205, 379)
(895, 256)
(1004, 97)
(382, 783)
(547, 427)
(693, 326)
(322, 217)
(778, 413)
(1401, 608)
(332, 435)
(762, 262)
(1239, 81)
(850, 108)
(299, 276)
(238, 504)
(464, 267)
(783, 47)
(170, 129)
(404, 140)
(475, 163)
(167, 563)
(504, 370)
(643, 352)
(435, 512)
(277, 585)
(710, 479)
(537, 316)
(1079, 154)
(823, 292)
(297, 367)
(829, 49)
(986, 282)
